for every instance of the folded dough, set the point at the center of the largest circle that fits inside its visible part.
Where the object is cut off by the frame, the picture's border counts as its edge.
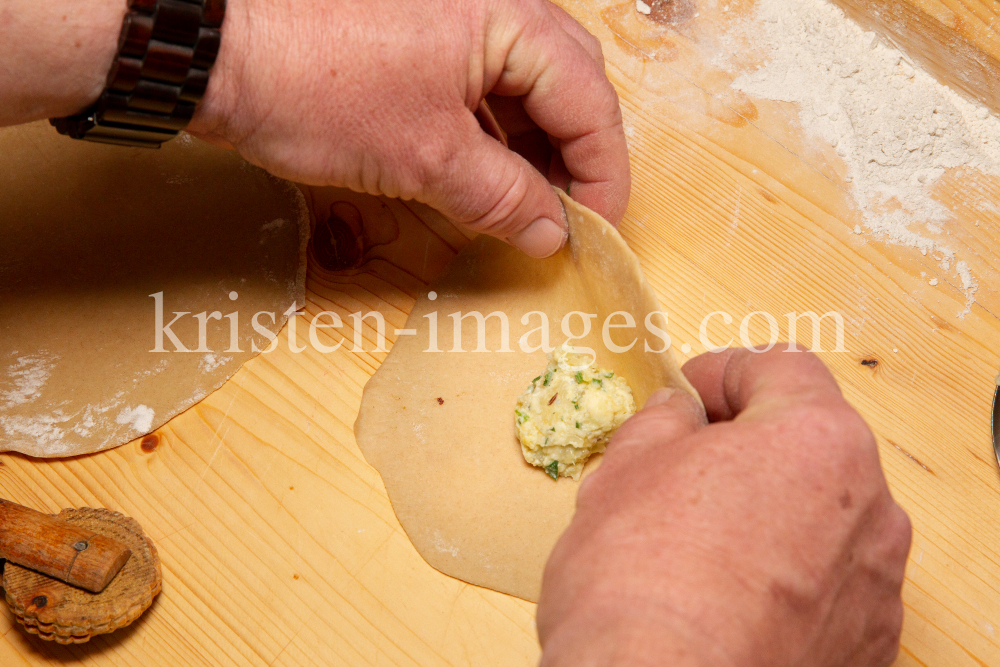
(437, 425)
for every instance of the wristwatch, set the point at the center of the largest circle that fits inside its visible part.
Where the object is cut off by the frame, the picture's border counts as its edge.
(165, 51)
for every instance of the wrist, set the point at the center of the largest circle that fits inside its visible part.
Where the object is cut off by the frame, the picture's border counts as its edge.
(619, 634)
(58, 56)
(211, 120)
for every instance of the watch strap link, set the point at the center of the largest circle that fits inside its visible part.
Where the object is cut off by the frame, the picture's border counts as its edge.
(165, 51)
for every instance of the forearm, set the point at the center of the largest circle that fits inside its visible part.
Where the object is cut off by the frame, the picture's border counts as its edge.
(57, 55)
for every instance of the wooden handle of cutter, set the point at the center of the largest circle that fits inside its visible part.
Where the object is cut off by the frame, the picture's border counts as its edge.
(59, 549)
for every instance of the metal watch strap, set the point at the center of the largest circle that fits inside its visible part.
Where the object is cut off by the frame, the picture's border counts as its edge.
(165, 51)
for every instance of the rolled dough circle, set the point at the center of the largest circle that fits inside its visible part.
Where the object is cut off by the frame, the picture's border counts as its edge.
(91, 234)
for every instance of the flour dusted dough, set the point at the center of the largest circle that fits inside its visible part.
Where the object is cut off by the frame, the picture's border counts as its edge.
(438, 426)
(87, 233)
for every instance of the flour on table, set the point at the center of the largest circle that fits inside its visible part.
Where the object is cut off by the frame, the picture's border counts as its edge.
(896, 128)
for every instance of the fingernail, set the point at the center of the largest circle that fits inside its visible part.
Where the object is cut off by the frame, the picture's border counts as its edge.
(541, 238)
(660, 396)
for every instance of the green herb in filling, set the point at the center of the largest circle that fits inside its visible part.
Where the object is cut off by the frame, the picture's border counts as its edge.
(553, 469)
(578, 424)
(579, 378)
(548, 378)
(521, 417)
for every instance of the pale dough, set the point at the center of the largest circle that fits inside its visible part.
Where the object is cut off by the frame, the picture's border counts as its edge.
(89, 232)
(438, 426)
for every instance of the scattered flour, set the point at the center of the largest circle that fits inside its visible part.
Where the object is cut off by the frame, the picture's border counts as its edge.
(274, 225)
(211, 361)
(46, 430)
(268, 229)
(443, 545)
(140, 417)
(642, 7)
(896, 128)
(52, 434)
(54, 430)
(28, 375)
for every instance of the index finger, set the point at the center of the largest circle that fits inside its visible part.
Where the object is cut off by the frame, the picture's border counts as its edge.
(738, 381)
(567, 94)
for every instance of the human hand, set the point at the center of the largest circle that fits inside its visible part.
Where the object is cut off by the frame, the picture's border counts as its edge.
(768, 537)
(380, 97)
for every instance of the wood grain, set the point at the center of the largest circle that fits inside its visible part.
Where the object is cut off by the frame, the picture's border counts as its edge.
(278, 543)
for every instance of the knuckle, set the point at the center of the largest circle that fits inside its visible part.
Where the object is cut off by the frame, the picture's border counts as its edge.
(850, 426)
(839, 427)
(805, 361)
(376, 178)
(822, 425)
(606, 97)
(896, 615)
(594, 46)
(800, 591)
(507, 198)
(431, 161)
(900, 533)
(890, 633)
(888, 545)
(833, 447)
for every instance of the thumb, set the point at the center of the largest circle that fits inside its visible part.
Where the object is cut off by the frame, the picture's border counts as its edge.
(493, 190)
(669, 414)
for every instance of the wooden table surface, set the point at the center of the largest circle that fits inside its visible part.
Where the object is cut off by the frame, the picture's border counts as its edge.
(278, 543)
